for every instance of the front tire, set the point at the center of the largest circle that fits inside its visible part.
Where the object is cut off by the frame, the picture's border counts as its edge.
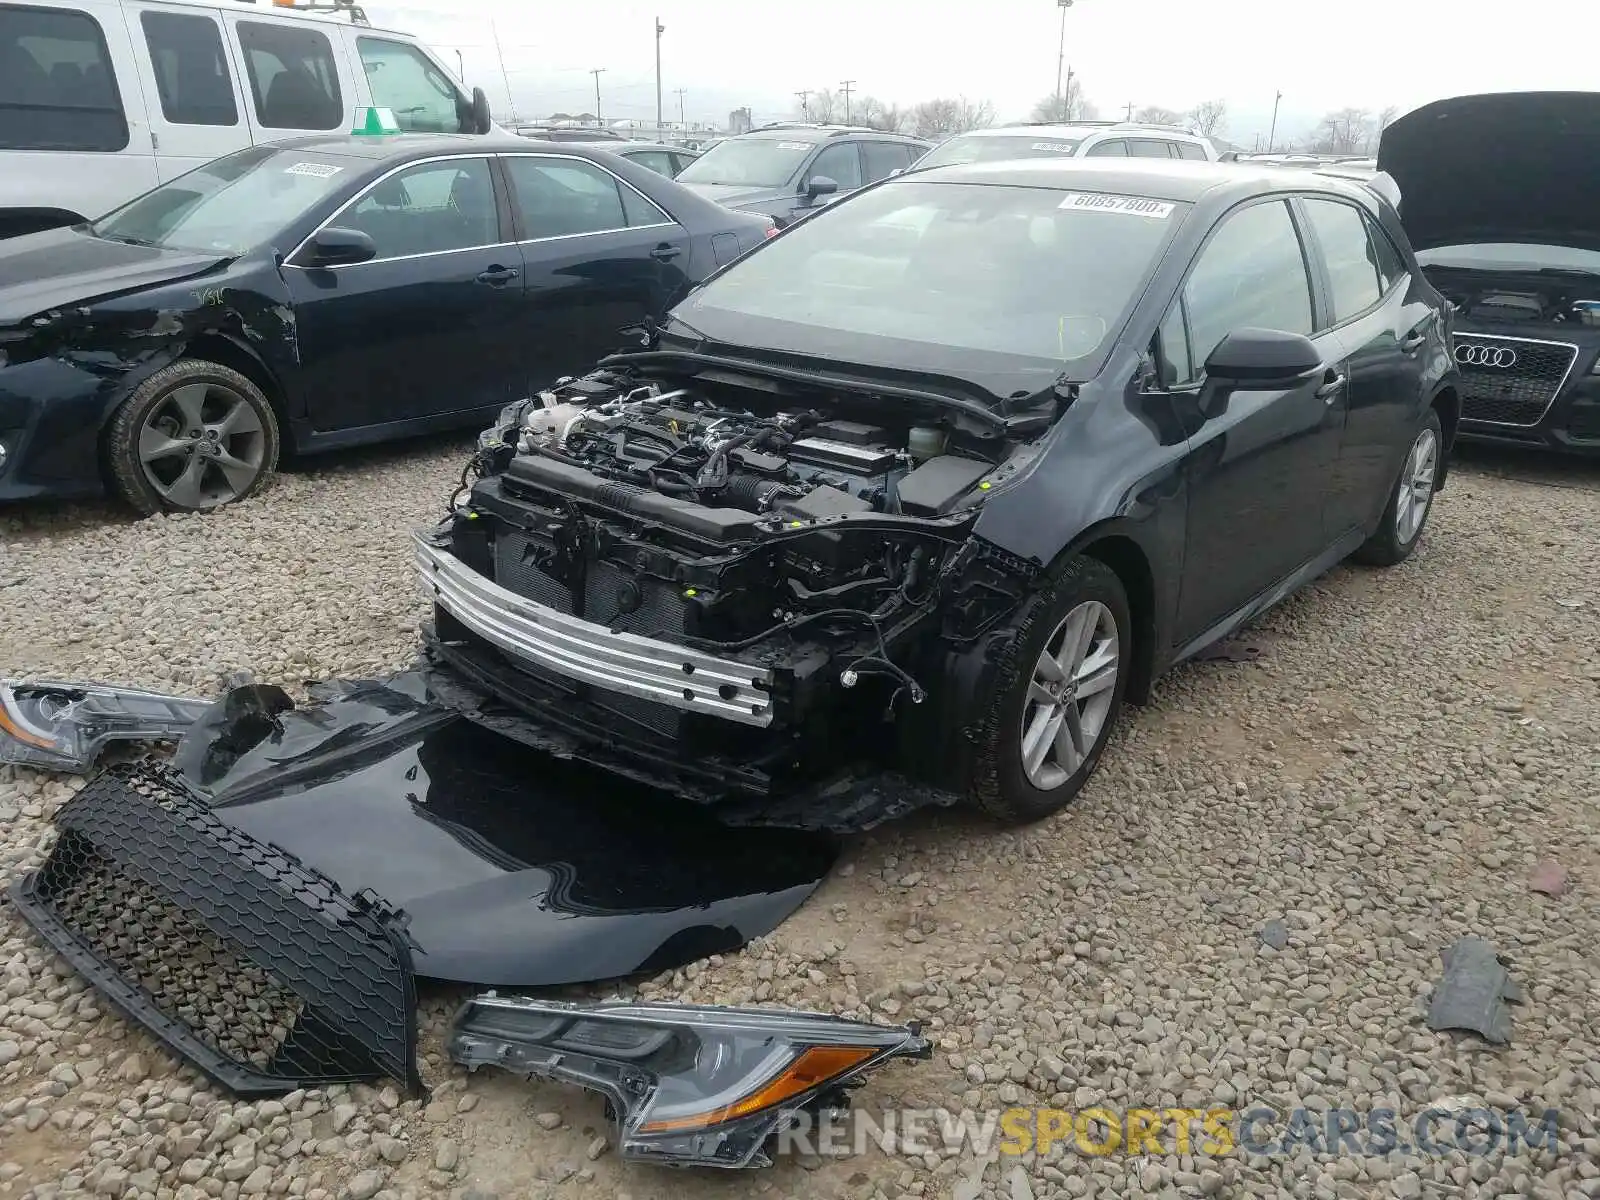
(1054, 696)
(1410, 500)
(194, 436)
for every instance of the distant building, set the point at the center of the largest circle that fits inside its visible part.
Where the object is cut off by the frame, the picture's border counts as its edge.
(740, 121)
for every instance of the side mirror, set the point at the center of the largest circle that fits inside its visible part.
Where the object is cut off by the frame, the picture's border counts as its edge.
(482, 122)
(1263, 358)
(335, 247)
(821, 185)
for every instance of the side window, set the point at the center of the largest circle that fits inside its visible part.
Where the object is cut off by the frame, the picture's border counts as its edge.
(428, 208)
(658, 161)
(1173, 362)
(1148, 148)
(1190, 150)
(191, 69)
(680, 161)
(57, 89)
(840, 162)
(403, 79)
(883, 159)
(561, 197)
(1391, 267)
(1116, 148)
(293, 79)
(1352, 266)
(639, 209)
(1251, 273)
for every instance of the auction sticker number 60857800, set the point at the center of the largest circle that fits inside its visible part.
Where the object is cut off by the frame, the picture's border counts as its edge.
(1133, 206)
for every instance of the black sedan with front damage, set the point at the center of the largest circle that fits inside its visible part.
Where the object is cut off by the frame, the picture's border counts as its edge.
(937, 478)
(1517, 251)
(323, 292)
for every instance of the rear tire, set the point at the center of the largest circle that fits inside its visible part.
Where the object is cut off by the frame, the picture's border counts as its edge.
(193, 437)
(1051, 701)
(1410, 498)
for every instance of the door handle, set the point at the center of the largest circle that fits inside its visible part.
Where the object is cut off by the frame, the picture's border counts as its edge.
(1331, 388)
(1412, 342)
(498, 275)
(666, 252)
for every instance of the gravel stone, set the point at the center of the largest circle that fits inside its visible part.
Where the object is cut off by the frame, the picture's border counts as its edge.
(1391, 774)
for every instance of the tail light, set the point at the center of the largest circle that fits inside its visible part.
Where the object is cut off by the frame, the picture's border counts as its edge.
(772, 228)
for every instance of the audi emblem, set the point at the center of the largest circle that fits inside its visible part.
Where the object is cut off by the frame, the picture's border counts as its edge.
(1500, 357)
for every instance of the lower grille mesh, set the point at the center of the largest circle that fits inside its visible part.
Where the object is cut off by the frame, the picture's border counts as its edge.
(1509, 381)
(249, 964)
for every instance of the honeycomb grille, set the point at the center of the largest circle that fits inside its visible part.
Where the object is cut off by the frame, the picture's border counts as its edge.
(253, 967)
(1509, 381)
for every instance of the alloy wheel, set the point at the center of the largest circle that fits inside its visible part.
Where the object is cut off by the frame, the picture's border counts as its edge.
(1416, 486)
(201, 446)
(1070, 695)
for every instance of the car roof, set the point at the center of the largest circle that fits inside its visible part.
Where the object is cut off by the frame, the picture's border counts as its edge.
(401, 146)
(623, 147)
(822, 133)
(1186, 181)
(1124, 128)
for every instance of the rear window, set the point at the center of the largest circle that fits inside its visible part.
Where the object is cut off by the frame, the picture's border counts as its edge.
(960, 150)
(57, 88)
(293, 79)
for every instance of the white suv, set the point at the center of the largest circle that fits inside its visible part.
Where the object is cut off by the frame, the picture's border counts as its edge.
(1084, 139)
(101, 100)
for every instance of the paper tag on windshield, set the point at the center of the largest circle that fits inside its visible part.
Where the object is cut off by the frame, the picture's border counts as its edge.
(1135, 206)
(1058, 147)
(794, 145)
(315, 170)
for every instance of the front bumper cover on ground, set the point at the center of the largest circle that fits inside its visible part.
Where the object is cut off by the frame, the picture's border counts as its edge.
(254, 967)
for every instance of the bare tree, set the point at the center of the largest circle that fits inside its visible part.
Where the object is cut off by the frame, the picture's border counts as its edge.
(944, 116)
(875, 114)
(1385, 119)
(1209, 116)
(1071, 106)
(1347, 131)
(1154, 114)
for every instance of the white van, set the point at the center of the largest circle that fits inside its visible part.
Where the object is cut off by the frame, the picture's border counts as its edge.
(101, 100)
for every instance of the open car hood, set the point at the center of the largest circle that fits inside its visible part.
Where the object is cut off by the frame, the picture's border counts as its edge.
(1503, 167)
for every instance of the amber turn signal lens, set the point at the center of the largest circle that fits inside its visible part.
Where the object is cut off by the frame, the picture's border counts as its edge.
(816, 1065)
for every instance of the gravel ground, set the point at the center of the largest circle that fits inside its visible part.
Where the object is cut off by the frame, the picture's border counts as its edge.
(1383, 780)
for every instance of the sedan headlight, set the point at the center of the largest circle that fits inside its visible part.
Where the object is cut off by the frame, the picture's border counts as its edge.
(687, 1084)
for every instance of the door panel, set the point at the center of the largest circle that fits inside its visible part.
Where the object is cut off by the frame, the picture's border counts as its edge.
(433, 326)
(1260, 464)
(196, 109)
(598, 256)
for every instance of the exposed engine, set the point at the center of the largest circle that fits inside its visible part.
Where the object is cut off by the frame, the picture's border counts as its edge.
(801, 464)
(1480, 296)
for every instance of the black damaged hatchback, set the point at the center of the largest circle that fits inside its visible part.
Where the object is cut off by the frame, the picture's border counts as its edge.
(934, 481)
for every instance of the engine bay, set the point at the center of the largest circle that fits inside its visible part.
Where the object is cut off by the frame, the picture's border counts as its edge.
(1513, 299)
(694, 446)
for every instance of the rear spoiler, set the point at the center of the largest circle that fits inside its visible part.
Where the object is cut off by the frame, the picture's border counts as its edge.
(1383, 184)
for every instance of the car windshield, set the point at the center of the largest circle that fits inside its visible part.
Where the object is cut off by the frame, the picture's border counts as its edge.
(748, 162)
(230, 205)
(992, 149)
(1511, 256)
(1003, 286)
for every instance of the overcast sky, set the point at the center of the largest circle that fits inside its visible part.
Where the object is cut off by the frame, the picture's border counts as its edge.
(1322, 54)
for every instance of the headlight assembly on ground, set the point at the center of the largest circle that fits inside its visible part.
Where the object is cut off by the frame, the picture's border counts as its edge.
(686, 1084)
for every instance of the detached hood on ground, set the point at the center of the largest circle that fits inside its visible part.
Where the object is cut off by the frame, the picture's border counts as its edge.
(64, 267)
(1507, 167)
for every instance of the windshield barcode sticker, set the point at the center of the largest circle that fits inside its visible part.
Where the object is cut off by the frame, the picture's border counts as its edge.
(1058, 147)
(1137, 206)
(794, 145)
(315, 170)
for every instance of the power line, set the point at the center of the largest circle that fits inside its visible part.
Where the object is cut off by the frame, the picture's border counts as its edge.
(846, 86)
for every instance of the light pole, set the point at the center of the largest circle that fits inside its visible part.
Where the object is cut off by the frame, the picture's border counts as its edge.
(596, 72)
(660, 29)
(1061, 55)
(1273, 132)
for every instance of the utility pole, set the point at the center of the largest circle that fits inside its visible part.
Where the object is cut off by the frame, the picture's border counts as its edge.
(1130, 110)
(846, 85)
(1067, 105)
(461, 65)
(805, 104)
(1274, 131)
(1061, 55)
(596, 72)
(660, 29)
(682, 120)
